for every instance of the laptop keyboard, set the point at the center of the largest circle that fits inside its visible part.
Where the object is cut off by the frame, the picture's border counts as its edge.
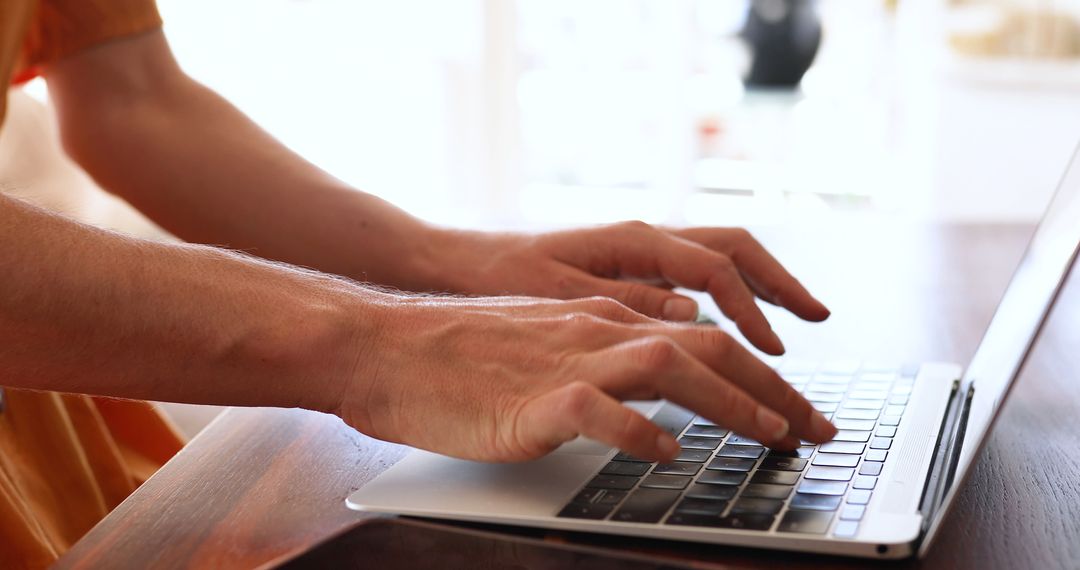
(724, 480)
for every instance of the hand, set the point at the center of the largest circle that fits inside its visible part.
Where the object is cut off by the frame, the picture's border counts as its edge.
(637, 264)
(511, 378)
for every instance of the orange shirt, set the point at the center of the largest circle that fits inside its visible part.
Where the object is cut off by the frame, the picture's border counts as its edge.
(66, 460)
(34, 33)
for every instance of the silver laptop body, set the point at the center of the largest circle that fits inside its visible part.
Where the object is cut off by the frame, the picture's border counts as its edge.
(878, 491)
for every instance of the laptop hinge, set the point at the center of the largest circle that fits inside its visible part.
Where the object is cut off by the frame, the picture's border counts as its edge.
(947, 453)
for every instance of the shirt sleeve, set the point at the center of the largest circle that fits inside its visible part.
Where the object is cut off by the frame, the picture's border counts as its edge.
(60, 28)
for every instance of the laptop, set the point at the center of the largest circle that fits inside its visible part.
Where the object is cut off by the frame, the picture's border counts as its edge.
(908, 438)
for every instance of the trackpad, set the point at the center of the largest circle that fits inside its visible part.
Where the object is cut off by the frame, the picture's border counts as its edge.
(585, 446)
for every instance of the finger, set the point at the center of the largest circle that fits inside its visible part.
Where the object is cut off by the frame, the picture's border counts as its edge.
(737, 303)
(652, 367)
(648, 251)
(770, 280)
(580, 408)
(717, 350)
(653, 301)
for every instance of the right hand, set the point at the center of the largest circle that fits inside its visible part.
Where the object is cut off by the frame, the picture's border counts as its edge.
(512, 378)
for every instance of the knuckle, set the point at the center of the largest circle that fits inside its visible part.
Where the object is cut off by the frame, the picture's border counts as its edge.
(634, 226)
(582, 320)
(606, 306)
(658, 353)
(577, 399)
(718, 342)
(742, 235)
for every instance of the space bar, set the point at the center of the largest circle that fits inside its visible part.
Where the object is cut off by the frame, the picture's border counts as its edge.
(672, 418)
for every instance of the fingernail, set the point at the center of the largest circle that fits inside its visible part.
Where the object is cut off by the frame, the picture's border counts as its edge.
(680, 309)
(667, 445)
(771, 423)
(821, 426)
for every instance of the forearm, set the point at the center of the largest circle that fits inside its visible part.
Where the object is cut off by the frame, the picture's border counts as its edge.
(88, 311)
(201, 169)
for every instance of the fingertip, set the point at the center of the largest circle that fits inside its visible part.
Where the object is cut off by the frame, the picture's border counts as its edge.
(667, 447)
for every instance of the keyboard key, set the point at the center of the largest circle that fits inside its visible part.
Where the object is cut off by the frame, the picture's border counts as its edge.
(666, 482)
(846, 529)
(823, 487)
(870, 468)
(763, 491)
(852, 512)
(826, 387)
(702, 421)
(899, 399)
(805, 522)
(868, 395)
(852, 435)
(864, 425)
(802, 501)
(612, 498)
(847, 367)
(864, 404)
(836, 460)
(886, 431)
(625, 468)
(801, 452)
(672, 419)
(829, 473)
(714, 492)
(893, 410)
(646, 505)
(585, 511)
(848, 447)
(677, 468)
(692, 442)
(691, 519)
(889, 421)
(746, 451)
(853, 414)
(742, 440)
(776, 477)
(747, 521)
(876, 455)
(825, 407)
(694, 455)
(881, 443)
(618, 482)
(731, 464)
(834, 397)
(757, 506)
(864, 482)
(722, 478)
(627, 457)
(858, 497)
(781, 463)
(706, 431)
(587, 496)
(696, 506)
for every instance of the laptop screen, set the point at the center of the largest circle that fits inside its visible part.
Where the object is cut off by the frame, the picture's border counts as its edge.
(1020, 315)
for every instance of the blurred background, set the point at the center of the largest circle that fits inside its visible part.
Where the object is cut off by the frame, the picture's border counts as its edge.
(546, 113)
(553, 112)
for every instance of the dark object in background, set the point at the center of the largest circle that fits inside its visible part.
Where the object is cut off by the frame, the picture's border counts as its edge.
(783, 37)
(396, 543)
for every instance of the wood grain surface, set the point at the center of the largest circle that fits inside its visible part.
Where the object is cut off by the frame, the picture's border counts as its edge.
(262, 484)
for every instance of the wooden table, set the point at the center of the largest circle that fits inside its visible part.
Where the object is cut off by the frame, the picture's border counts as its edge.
(260, 484)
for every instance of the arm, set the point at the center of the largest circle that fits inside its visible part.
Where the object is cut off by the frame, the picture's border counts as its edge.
(202, 170)
(500, 379)
(198, 167)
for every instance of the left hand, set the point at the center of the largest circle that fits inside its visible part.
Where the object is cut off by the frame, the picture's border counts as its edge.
(636, 264)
